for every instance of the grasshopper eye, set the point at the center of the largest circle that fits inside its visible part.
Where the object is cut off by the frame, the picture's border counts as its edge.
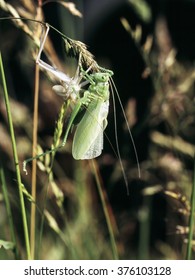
(104, 78)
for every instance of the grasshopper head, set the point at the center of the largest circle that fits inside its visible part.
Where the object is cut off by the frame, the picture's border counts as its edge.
(102, 77)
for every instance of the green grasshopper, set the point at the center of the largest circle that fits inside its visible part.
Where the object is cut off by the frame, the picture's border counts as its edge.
(88, 138)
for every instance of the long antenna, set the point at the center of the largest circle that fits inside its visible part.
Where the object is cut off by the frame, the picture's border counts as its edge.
(129, 130)
(117, 144)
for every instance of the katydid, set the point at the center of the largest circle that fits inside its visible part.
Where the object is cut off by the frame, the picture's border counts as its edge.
(88, 138)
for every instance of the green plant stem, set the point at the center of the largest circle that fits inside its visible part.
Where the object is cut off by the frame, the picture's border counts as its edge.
(106, 213)
(57, 135)
(15, 155)
(191, 219)
(9, 212)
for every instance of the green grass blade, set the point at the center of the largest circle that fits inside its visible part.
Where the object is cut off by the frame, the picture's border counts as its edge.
(191, 219)
(15, 155)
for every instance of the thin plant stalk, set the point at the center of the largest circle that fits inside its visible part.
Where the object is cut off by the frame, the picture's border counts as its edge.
(15, 155)
(105, 209)
(191, 219)
(57, 135)
(8, 209)
(34, 163)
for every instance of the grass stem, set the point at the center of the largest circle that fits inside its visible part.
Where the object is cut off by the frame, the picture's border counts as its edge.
(15, 155)
(103, 199)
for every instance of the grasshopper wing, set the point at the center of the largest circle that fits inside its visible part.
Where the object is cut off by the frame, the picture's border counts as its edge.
(96, 148)
(88, 139)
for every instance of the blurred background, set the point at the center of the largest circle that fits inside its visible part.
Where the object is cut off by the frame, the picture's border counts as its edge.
(149, 45)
